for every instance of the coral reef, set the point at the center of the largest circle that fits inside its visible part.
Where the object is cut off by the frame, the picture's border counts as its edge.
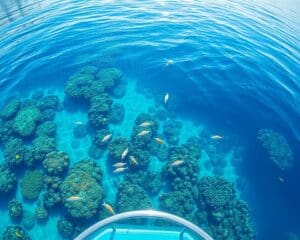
(277, 148)
(81, 193)
(41, 214)
(10, 109)
(109, 77)
(132, 197)
(117, 113)
(28, 220)
(89, 167)
(47, 128)
(14, 152)
(98, 138)
(15, 233)
(171, 131)
(41, 146)
(65, 228)
(144, 141)
(151, 181)
(180, 203)
(142, 157)
(56, 163)
(183, 176)
(162, 153)
(100, 107)
(25, 122)
(15, 209)
(48, 102)
(8, 180)
(52, 195)
(31, 184)
(6, 131)
(47, 115)
(117, 147)
(83, 84)
(216, 197)
(216, 191)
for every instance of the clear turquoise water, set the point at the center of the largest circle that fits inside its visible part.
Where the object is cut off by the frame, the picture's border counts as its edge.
(234, 70)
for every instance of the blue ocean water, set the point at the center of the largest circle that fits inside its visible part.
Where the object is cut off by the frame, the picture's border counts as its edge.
(230, 68)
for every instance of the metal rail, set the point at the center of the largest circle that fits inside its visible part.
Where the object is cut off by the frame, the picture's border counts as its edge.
(145, 214)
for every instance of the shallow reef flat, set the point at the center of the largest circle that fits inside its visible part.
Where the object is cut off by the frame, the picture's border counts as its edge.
(102, 139)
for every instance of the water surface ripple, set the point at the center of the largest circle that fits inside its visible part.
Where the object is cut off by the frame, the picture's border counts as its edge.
(237, 61)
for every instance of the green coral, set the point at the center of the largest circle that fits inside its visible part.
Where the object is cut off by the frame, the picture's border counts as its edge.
(8, 180)
(185, 175)
(41, 214)
(47, 115)
(132, 197)
(65, 228)
(224, 216)
(10, 109)
(117, 147)
(109, 77)
(151, 181)
(14, 152)
(25, 122)
(88, 192)
(117, 113)
(97, 140)
(216, 191)
(83, 84)
(56, 162)
(41, 146)
(31, 184)
(48, 102)
(6, 131)
(277, 148)
(180, 203)
(171, 131)
(89, 167)
(99, 109)
(47, 128)
(142, 157)
(15, 209)
(144, 141)
(15, 233)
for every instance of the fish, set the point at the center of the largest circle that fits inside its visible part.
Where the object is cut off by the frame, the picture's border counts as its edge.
(166, 98)
(216, 137)
(73, 198)
(106, 138)
(119, 164)
(159, 140)
(142, 133)
(177, 163)
(79, 123)
(120, 169)
(133, 160)
(18, 156)
(169, 62)
(281, 179)
(124, 153)
(108, 208)
(18, 235)
(146, 124)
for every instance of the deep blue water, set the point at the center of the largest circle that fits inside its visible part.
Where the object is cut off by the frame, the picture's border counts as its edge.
(235, 70)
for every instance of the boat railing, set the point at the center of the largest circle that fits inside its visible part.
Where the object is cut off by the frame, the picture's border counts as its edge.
(111, 222)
